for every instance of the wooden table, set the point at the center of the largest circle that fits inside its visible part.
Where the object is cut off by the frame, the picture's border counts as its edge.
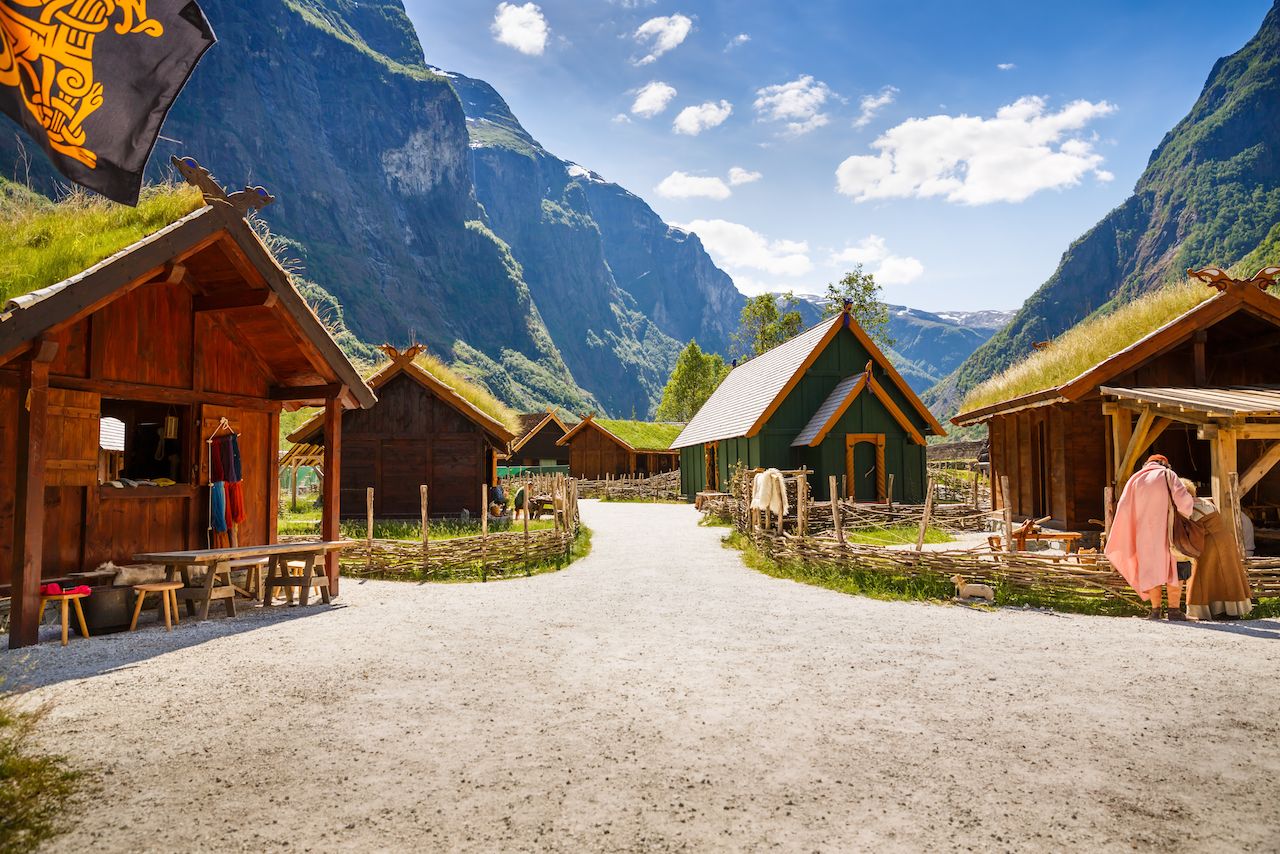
(1069, 539)
(218, 563)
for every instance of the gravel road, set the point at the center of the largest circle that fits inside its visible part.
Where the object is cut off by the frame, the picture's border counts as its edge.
(658, 695)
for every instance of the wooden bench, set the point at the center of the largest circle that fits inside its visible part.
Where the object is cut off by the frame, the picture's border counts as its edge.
(219, 563)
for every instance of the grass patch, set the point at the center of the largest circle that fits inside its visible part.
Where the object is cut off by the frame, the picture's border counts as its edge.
(45, 242)
(1090, 342)
(633, 499)
(475, 394)
(37, 789)
(643, 435)
(305, 521)
(875, 584)
(897, 535)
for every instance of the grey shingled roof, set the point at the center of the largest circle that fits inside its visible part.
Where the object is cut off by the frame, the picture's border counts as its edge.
(750, 388)
(839, 397)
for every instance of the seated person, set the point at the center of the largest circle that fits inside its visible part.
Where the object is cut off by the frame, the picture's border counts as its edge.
(497, 500)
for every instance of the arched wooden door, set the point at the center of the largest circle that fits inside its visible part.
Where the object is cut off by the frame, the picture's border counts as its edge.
(865, 475)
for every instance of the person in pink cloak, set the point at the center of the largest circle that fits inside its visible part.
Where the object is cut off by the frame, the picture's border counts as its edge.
(1140, 543)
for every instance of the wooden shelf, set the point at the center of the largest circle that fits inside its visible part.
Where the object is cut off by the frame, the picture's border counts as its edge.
(178, 490)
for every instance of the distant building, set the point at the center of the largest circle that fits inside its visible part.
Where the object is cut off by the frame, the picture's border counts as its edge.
(605, 446)
(535, 443)
(827, 400)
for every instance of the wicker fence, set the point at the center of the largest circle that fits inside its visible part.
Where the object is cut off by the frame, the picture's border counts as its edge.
(658, 487)
(807, 535)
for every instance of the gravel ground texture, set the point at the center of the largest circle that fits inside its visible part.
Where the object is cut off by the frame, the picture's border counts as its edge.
(656, 696)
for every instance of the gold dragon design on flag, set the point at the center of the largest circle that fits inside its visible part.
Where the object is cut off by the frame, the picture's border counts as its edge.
(47, 54)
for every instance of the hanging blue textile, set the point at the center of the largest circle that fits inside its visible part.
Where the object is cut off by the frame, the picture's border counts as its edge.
(218, 506)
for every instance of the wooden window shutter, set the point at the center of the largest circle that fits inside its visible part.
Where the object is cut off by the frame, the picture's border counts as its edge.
(71, 455)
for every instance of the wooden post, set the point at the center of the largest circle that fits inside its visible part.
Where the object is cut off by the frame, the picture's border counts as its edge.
(293, 487)
(528, 502)
(426, 530)
(368, 535)
(484, 531)
(1233, 484)
(28, 517)
(329, 525)
(924, 519)
(835, 510)
(1008, 512)
(1108, 510)
(802, 505)
(977, 474)
(888, 494)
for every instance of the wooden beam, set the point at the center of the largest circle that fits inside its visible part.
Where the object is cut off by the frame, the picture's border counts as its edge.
(161, 394)
(329, 525)
(28, 517)
(327, 391)
(1223, 454)
(1136, 445)
(1201, 372)
(1121, 433)
(1259, 431)
(273, 476)
(1260, 467)
(250, 298)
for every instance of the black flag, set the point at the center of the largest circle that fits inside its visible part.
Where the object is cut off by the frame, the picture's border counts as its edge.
(92, 80)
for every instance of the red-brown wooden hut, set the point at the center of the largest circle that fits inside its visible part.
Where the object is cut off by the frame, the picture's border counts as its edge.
(1202, 388)
(195, 322)
(536, 442)
(615, 447)
(422, 431)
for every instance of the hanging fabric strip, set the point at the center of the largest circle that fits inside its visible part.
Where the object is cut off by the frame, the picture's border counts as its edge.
(218, 506)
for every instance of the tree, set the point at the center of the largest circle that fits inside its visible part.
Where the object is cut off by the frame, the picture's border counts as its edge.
(765, 324)
(695, 376)
(862, 293)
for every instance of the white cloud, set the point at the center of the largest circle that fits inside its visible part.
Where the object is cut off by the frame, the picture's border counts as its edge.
(692, 121)
(737, 41)
(662, 34)
(798, 103)
(972, 160)
(871, 104)
(521, 27)
(622, 119)
(652, 99)
(682, 185)
(738, 176)
(872, 252)
(737, 247)
(1005, 66)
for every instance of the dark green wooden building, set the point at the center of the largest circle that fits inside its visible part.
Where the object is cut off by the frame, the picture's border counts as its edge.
(827, 400)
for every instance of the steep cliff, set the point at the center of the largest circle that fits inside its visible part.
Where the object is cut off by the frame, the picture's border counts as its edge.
(1210, 195)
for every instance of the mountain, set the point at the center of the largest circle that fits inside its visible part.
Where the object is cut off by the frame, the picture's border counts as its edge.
(1210, 195)
(926, 345)
(411, 220)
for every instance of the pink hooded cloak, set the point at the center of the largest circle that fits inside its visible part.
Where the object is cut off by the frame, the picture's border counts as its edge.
(1139, 545)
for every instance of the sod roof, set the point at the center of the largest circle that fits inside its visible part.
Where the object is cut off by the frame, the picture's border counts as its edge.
(643, 435)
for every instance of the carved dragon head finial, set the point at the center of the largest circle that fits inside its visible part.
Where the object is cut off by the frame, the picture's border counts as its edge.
(250, 198)
(401, 357)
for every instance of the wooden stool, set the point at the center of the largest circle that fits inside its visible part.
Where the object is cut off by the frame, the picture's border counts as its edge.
(168, 591)
(63, 599)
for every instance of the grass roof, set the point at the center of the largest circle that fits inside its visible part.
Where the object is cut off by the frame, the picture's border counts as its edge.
(1089, 343)
(475, 394)
(45, 242)
(643, 435)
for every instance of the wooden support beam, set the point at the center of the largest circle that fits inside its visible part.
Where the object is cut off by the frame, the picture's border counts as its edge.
(250, 298)
(1121, 433)
(1136, 445)
(1259, 431)
(1201, 372)
(161, 394)
(28, 517)
(329, 526)
(1260, 467)
(1223, 454)
(327, 391)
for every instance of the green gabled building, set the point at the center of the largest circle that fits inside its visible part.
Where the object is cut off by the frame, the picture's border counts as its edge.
(827, 400)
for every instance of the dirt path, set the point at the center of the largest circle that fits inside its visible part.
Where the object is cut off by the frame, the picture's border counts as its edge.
(658, 696)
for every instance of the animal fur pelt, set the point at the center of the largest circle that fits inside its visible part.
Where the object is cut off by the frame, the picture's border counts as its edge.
(769, 492)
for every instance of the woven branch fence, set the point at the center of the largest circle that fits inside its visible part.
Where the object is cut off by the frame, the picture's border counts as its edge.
(807, 536)
(658, 487)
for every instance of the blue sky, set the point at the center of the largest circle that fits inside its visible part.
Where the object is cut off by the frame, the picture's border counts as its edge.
(954, 148)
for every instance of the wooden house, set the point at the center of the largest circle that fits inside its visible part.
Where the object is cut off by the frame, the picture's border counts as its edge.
(192, 324)
(422, 431)
(1203, 389)
(537, 441)
(827, 400)
(600, 447)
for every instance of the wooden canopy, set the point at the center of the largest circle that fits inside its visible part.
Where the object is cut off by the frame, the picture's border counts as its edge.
(216, 255)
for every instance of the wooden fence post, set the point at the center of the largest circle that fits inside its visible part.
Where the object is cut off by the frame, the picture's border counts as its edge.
(484, 530)
(977, 473)
(1233, 484)
(835, 510)
(802, 505)
(888, 495)
(528, 502)
(368, 501)
(1008, 512)
(426, 530)
(293, 488)
(1108, 510)
(924, 519)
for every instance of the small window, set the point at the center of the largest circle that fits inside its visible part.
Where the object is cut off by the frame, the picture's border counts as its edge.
(143, 442)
